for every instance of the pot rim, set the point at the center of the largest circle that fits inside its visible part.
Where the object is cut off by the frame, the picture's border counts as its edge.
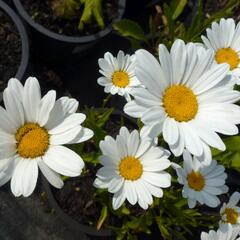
(65, 38)
(23, 36)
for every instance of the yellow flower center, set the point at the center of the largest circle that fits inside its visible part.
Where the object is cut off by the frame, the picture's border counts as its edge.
(180, 103)
(32, 140)
(231, 215)
(227, 55)
(120, 79)
(130, 168)
(196, 181)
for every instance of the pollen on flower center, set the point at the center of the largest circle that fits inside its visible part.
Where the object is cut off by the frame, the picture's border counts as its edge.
(180, 103)
(130, 168)
(231, 215)
(227, 55)
(196, 181)
(120, 79)
(32, 140)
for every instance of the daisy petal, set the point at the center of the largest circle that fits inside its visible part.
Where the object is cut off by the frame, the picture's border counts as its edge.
(53, 178)
(24, 177)
(46, 105)
(64, 161)
(31, 99)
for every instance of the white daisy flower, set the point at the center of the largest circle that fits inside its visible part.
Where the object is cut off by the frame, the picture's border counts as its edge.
(32, 130)
(186, 98)
(133, 169)
(224, 39)
(118, 74)
(230, 212)
(227, 232)
(201, 183)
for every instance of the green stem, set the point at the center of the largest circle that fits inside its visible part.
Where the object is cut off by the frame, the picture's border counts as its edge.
(105, 100)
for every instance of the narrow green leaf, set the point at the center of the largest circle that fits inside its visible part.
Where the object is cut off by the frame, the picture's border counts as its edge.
(103, 118)
(92, 10)
(179, 9)
(162, 228)
(102, 218)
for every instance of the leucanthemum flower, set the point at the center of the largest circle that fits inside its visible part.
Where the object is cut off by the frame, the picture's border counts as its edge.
(185, 98)
(230, 212)
(133, 169)
(226, 232)
(201, 183)
(118, 74)
(32, 130)
(224, 39)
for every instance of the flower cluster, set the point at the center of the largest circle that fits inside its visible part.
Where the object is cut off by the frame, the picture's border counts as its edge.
(185, 98)
(188, 98)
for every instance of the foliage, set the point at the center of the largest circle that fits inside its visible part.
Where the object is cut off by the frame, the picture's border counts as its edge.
(91, 10)
(169, 215)
(169, 23)
(231, 157)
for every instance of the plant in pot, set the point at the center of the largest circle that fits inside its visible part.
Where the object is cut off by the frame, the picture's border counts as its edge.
(154, 177)
(62, 28)
(14, 46)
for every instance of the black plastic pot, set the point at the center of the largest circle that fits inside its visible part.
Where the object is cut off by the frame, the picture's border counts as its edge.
(71, 224)
(20, 75)
(56, 47)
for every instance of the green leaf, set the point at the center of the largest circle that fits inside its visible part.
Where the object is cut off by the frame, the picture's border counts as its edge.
(181, 203)
(103, 118)
(95, 120)
(135, 44)
(130, 29)
(233, 143)
(125, 210)
(162, 228)
(236, 160)
(91, 157)
(92, 10)
(133, 224)
(98, 13)
(102, 218)
(215, 152)
(179, 8)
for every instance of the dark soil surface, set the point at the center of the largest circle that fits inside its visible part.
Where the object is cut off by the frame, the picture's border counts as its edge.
(41, 11)
(10, 49)
(76, 199)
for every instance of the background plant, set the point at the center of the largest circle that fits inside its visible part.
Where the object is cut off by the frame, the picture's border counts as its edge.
(169, 23)
(87, 10)
(170, 215)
